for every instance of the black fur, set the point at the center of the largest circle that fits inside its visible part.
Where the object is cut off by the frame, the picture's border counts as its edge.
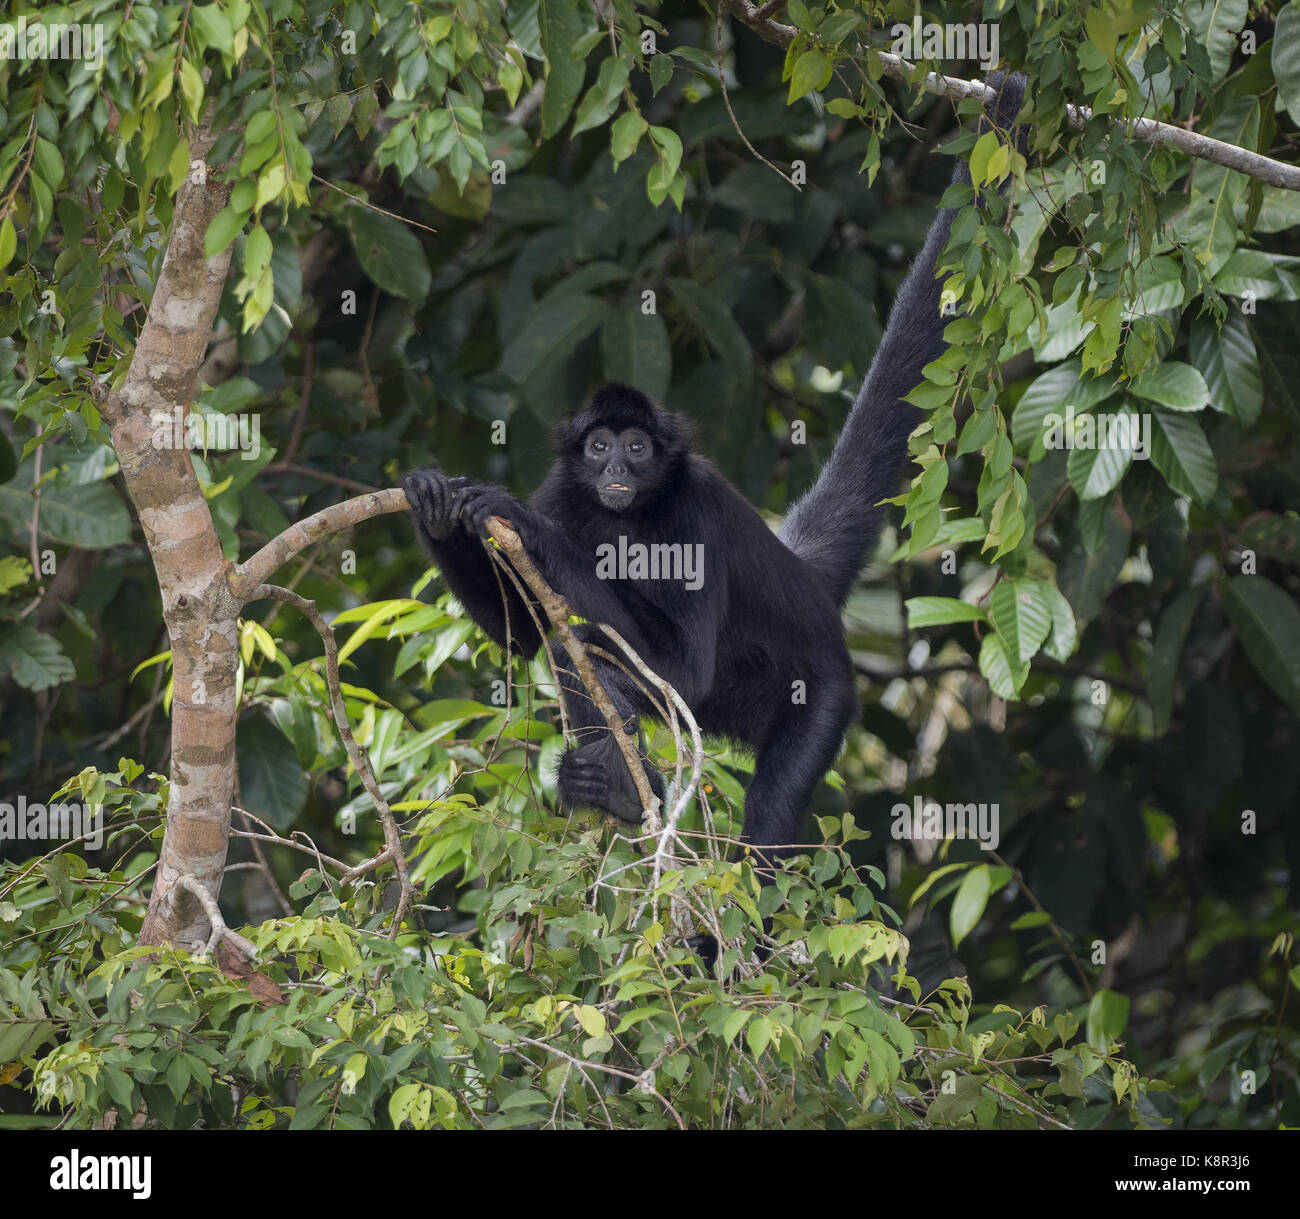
(757, 651)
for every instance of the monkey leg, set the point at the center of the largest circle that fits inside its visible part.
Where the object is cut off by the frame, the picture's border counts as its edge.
(800, 747)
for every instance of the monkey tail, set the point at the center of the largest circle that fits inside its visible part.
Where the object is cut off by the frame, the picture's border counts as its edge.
(835, 525)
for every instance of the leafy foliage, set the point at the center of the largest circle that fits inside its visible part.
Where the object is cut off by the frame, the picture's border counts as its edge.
(564, 1006)
(1115, 666)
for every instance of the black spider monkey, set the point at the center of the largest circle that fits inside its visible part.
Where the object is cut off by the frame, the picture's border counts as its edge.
(751, 636)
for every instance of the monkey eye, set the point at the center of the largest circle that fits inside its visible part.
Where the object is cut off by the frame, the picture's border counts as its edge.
(636, 447)
(598, 446)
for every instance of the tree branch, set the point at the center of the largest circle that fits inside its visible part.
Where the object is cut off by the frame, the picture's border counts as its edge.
(558, 611)
(245, 578)
(1148, 131)
(358, 756)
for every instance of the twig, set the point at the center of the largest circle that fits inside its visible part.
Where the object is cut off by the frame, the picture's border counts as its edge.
(360, 760)
(308, 361)
(291, 467)
(374, 207)
(638, 1078)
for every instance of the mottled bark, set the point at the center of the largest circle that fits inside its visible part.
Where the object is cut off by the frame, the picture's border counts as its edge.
(197, 606)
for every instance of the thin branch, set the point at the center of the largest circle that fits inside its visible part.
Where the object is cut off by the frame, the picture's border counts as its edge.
(1148, 131)
(374, 207)
(358, 756)
(300, 471)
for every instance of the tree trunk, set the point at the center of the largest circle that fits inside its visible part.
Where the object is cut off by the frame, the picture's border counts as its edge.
(148, 417)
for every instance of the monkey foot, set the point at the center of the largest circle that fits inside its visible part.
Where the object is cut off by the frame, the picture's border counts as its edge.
(586, 780)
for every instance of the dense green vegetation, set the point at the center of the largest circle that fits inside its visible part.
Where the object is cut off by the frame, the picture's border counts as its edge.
(431, 267)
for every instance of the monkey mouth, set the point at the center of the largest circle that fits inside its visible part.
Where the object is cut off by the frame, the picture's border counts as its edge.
(615, 496)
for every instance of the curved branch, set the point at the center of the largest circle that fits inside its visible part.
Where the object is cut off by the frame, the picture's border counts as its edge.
(219, 931)
(245, 578)
(358, 756)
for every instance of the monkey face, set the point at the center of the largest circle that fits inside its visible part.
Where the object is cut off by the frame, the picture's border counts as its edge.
(618, 465)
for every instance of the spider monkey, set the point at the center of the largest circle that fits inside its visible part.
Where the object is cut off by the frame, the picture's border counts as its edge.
(638, 532)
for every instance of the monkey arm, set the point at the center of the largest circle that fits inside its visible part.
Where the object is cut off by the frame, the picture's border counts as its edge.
(490, 598)
(683, 658)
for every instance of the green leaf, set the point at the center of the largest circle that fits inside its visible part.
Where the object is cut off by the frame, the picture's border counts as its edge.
(1107, 1019)
(938, 611)
(1021, 615)
(1160, 287)
(214, 26)
(661, 71)
(636, 351)
(1211, 223)
(49, 162)
(735, 1021)
(91, 516)
(270, 184)
(812, 70)
(1064, 637)
(551, 333)
(8, 242)
(1004, 678)
(271, 782)
(560, 26)
(951, 1106)
(1059, 387)
(1163, 666)
(1182, 454)
(1096, 468)
(1177, 386)
(1267, 622)
(36, 661)
(669, 144)
(223, 229)
(625, 135)
(1286, 59)
(713, 319)
(1088, 576)
(968, 905)
(391, 255)
(604, 95)
(1248, 273)
(1217, 25)
(257, 252)
(1230, 365)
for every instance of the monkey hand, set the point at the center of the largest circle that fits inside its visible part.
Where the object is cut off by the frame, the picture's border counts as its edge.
(435, 500)
(480, 501)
